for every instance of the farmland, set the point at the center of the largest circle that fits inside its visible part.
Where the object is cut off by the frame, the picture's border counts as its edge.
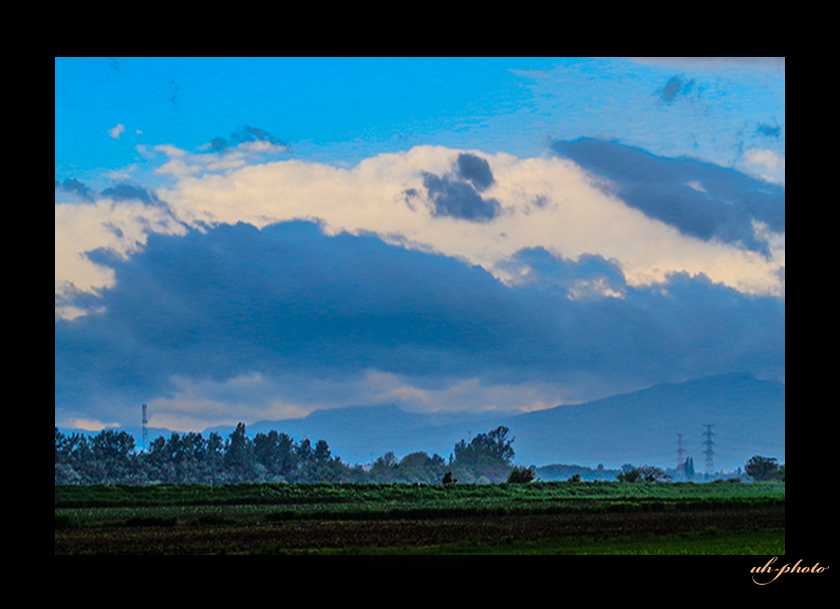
(540, 518)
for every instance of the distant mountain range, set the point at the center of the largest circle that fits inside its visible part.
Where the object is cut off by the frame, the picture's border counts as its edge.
(746, 415)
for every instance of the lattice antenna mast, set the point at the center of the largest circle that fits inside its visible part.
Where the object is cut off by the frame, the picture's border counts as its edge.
(710, 454)
(145, 431)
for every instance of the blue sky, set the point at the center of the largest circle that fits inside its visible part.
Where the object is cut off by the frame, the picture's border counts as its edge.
(252, 239)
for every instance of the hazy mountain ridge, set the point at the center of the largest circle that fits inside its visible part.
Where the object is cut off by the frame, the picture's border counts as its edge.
(747, 418)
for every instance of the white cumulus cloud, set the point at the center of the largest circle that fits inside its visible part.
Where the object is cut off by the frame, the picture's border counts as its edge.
(545, 202)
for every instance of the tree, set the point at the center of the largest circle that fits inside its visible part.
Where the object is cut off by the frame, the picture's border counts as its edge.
(68, 461)
(494, 445)
(420, 467)
(486, 458)
(448, 478)
(764, 468)
(522, 474)
(180, 459)
(239, 450)
(322, 466)
(317, 464)
(384, 469)
(629, 474)
(322, 452)
(111, 458)
(416, 460)
(304, 452)
(688, 467)
(110, 444)
(651, 473)
(275, 451)
(62, 447)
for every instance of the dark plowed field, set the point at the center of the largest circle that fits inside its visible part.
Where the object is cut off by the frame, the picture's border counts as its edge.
(257, 535)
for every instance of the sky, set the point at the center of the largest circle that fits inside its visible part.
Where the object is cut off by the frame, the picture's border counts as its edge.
(252, 239)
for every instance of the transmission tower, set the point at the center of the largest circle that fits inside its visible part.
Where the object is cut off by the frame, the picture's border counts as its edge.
(145, 432)
(680, 451)
(710, 454)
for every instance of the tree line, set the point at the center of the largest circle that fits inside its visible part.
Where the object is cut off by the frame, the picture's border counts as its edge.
(112, 457)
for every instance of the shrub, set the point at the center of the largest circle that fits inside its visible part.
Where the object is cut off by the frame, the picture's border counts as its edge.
(448, 479)
(520, 474)
(632, 475)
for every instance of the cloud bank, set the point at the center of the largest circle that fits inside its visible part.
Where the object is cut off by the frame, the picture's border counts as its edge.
(264, 289)
(702, 200)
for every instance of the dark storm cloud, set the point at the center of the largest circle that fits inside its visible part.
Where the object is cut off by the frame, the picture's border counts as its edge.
(456, 195)
(476, 170)
(702, 200)
(245, 134)
(128, 192)
(458, 199)
(565, 277)
(121, 192)
(76, 187)
(289, 300)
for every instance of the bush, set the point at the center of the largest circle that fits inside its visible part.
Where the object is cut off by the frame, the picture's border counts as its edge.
(764, 468)
(631, 475)
(448, 479)
(521, 474)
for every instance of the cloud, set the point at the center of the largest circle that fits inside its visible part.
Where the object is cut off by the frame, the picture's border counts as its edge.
(206, 321)
(249, 138)
(89, 424)
(122, 191)
(126, 192)
(768, 130)
(456, 194)
(476, 170)
(590, 277)
(716, 63)
(76, 187)
(551, 204)
(119, 227)
(116, 131)
(458, 199)
(702, 200)
(282, 301)
(676, 88)
(764, 164)
(248, 145)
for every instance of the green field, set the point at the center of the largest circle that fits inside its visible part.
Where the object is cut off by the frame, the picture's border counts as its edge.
(535, 518)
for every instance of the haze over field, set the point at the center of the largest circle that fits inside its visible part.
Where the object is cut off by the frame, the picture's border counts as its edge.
(255, 239)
